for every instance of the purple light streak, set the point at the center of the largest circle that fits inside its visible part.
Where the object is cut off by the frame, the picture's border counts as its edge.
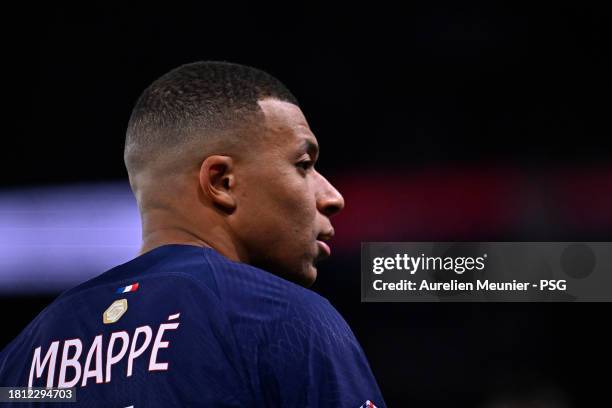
(53, 238)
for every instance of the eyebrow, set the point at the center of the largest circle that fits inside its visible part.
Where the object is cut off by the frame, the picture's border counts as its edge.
(311, 148)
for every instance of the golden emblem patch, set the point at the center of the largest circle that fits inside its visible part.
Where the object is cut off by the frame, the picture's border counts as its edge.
(115, 311)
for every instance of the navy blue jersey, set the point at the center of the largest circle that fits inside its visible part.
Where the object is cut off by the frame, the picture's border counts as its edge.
(183, 326)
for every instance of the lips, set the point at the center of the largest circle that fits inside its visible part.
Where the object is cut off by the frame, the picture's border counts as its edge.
(324, 250)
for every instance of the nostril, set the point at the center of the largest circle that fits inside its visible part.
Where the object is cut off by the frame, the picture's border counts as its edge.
(331, 209)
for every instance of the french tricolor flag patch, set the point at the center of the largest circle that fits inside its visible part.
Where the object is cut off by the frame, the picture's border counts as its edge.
(129, 288)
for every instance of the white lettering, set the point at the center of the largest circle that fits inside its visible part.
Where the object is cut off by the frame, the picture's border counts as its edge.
(100, 360)
(70, 362)
(50, 358)
(96, 347)
(153, 364)
(146, 330)
(114, 359)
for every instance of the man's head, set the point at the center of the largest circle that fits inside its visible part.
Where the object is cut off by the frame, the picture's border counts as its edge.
(221, 154)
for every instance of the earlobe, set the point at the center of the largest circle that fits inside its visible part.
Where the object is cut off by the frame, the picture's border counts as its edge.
(217, 181)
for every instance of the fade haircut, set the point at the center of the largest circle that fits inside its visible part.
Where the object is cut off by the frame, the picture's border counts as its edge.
(199, 104)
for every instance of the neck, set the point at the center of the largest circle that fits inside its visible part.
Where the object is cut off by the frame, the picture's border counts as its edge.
(159, 229)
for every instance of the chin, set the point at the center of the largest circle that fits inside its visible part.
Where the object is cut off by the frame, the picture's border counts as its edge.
(309, 277)
(303, 275)
(306, 277)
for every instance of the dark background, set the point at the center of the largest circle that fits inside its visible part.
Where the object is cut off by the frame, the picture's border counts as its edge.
(445, 104)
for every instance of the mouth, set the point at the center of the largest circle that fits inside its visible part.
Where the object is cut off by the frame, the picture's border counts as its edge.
(324, 249)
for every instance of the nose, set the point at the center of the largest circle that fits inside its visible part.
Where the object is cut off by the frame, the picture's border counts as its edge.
(329, 200)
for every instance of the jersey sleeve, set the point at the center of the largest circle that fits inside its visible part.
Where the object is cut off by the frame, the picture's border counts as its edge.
(314, 360)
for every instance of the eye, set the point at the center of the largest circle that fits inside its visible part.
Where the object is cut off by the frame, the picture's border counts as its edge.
(305, 164)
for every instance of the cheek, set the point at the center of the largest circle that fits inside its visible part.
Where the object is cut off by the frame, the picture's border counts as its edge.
(288, 193)
(289, 220)
(279, 211)
(299, 208)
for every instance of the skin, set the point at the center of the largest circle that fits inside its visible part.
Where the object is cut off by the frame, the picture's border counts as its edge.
(265, 205)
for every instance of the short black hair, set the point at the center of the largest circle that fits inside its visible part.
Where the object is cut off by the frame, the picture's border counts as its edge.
(196, 98)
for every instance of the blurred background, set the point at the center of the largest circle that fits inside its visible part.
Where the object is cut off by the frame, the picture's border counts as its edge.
(437, 120)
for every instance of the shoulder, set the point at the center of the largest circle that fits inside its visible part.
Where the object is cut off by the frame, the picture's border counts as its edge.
(263, 305)
(249, 288)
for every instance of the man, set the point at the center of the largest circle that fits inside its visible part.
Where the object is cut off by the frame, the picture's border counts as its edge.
(213, 312)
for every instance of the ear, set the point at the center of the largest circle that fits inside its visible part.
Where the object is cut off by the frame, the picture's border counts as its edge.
(217, 181)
